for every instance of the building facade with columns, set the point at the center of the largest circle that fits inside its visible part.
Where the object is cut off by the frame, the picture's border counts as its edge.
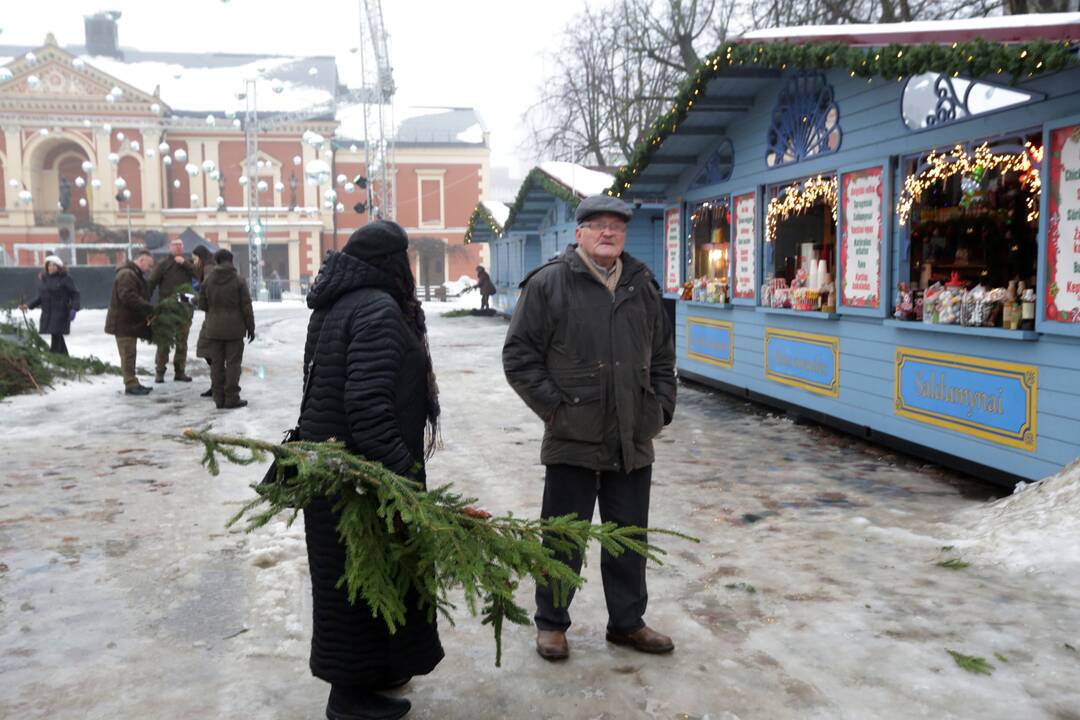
(97, 141)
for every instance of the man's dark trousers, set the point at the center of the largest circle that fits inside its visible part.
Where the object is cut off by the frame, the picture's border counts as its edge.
(624, 499)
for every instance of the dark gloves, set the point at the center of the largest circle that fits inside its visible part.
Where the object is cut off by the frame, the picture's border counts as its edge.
(251, 336)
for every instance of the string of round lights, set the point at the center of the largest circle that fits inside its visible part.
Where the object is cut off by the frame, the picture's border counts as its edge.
(797, 198)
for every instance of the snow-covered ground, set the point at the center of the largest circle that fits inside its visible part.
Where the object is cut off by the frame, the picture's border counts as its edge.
(815, 593)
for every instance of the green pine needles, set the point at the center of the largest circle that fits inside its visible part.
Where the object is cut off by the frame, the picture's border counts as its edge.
(399, 537)
(27, 365)
(170, 317)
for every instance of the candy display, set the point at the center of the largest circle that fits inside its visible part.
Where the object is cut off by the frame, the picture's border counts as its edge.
(954, 304)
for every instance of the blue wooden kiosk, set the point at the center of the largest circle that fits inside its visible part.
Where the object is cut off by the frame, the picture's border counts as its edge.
(540, 224)
(806, 173)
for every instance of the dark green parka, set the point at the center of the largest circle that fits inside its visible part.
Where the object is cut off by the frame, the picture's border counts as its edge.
(168, 275)
(225, 299)
(598, 369)
(130, 307)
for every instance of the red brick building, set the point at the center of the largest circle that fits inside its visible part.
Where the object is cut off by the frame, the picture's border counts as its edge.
(91, 122)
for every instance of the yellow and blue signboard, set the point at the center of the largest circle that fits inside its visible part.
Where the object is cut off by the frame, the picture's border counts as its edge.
(710, 341)
(989, 399)
(803, 360)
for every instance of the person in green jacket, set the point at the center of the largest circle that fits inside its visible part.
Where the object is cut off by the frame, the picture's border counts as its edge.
(225, 299)
(167, 277)
(129, 316)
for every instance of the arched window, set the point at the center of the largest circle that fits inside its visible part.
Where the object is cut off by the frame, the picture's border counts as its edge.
(934, 99)
(805, 121)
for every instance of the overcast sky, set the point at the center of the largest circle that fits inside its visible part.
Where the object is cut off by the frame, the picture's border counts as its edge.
(487, 54)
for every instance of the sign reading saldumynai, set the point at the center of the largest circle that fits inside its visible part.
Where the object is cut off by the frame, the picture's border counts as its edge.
(986, 398)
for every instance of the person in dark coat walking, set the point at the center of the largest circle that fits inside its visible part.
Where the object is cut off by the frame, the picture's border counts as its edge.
(373, 387)
(169, 275)
(484, 285)
(129, 315)
(225, 299)
(203, 260)
(58, 299)
(589, 351)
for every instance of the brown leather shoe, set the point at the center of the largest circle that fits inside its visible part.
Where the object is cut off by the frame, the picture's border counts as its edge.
(644, 640)
(552, 645)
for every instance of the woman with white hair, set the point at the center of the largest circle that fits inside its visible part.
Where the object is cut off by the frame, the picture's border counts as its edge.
(58, 299)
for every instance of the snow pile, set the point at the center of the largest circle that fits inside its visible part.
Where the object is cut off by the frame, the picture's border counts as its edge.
(474, 134)
(578, 178)
(456, 287)
(1036, 528)
(280, 606)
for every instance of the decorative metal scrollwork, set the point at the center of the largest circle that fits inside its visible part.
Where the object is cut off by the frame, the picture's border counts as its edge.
(805, 121)
(717, 168)
(934, 99)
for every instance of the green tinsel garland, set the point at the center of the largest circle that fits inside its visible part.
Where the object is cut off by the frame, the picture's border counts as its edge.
(481, 214)
(975, 59)
(398, 536)
(537, 176)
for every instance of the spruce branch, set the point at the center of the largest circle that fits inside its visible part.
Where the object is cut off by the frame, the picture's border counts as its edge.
(399, 537)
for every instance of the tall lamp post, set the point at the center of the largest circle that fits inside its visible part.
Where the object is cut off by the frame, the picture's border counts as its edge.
(124, 198)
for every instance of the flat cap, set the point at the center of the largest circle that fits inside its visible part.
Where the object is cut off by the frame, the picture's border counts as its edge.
(377, 238)
(596, 204)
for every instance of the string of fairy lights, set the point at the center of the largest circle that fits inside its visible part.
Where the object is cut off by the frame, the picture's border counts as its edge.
(798, 198)
(939, 167)
(892, 63)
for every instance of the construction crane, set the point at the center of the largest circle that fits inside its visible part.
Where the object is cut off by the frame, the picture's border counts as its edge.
(375, 94)
(378, 82)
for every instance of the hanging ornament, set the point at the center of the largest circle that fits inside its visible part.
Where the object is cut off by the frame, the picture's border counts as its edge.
(82, 202)
(127, 194)
(261, 186)
(78, 63)
(155, 108)
(150, 153)
(80, 182)
(194, 201)
(30, 57)
(110, 98)
(13, 183)
(342, 179)
(121, 183)
(330, 195)
(180, 155)
(107, 128)
(6, 74)
(353, 148)
(95, 184)
(114, 159)
(313, 72)
(120, 136)
(163, 147)
(279, 186)
(192, 170)
(349, 187)
(166, 160)
(135, 146)
(209, 166)
(116, 91)
(44, 132)
(236, 123)
(340, 207)
(296, 160)
(176, 184)
(86, 123)
(33, 81)
(277, 86)
(211, 120)
(317, 171)
(25, 197)
(243, 180)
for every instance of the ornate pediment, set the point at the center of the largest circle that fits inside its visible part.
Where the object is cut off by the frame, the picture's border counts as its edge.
(52, 79)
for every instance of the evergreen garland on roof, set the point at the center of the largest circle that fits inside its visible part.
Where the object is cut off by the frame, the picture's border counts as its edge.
(481, 214)
(537, 176)
(975, 59)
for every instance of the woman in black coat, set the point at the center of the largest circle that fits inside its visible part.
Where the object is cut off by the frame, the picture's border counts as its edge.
(58, 299)
(371, 385)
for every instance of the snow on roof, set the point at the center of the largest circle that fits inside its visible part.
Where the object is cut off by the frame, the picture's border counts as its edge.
(283, 83)
(210, 82)
(499, 211)
(419, 125)
(578, 178)
(1011, 28)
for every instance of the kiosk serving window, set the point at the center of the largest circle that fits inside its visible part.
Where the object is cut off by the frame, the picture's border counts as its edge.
(800, 226)
(972, 222)
(710, 240)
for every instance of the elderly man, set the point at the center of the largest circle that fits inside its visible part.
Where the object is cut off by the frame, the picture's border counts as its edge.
(128, 317)
(589, 350)
(168, 276)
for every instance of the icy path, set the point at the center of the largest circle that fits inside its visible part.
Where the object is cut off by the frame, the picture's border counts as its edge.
(814, 594)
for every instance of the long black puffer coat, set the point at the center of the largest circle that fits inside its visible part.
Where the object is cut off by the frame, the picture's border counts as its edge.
(57, 297)
(368, 389)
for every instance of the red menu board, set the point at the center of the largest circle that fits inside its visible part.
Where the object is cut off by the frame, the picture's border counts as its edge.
(672, 251)
(860, 238)
(1063, 231)
(745, 245)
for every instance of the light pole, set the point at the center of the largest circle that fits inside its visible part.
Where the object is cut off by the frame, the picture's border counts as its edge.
(124, 198)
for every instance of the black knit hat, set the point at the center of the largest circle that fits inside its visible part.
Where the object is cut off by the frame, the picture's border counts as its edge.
(377, 238)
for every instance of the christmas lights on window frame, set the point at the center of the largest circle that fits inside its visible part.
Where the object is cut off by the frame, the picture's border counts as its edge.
(799, 197)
